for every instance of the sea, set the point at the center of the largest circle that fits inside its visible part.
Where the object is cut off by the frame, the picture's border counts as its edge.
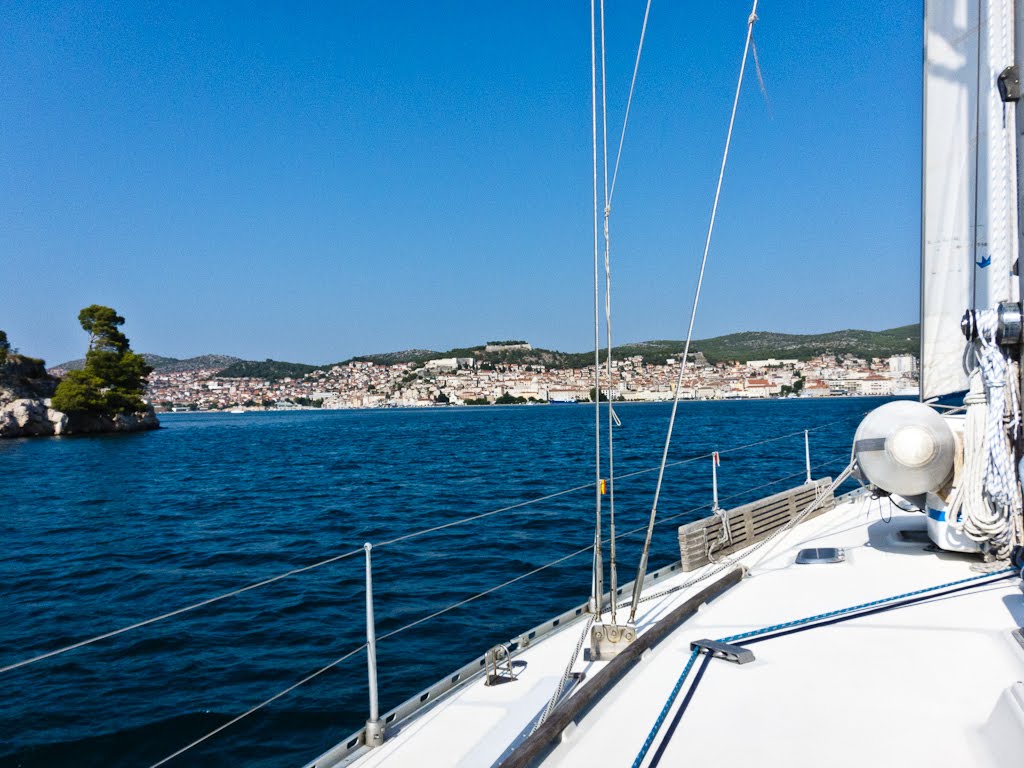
(103, 532)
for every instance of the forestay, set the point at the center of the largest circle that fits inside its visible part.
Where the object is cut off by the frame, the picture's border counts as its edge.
(969, 223)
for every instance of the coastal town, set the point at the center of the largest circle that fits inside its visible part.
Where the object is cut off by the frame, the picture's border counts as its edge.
(468, 381)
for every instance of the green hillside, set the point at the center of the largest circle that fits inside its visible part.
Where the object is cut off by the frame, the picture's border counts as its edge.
(754, 345)
(162, 364)
(393, 358)
(744, 346)
(271, 370)
(546, 357)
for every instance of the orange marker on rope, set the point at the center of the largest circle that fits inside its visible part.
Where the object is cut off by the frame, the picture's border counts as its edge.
(604, 486)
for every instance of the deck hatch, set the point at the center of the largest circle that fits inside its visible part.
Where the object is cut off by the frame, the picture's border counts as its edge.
(820, 555)
(915, 536)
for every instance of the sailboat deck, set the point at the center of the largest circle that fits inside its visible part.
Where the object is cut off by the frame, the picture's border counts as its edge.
(914, 685)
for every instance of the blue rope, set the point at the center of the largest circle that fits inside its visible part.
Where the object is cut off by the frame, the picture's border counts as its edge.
(664, 710)
(786, 625)
(670, 731)
(861, 607)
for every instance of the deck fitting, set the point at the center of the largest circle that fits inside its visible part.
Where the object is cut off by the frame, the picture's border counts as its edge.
(737, 654)
(609, 640)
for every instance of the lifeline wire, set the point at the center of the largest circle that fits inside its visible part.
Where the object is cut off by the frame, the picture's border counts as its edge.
(337, 661)
(258, 707)
(406, 537)
(553, 701)
(577, 553)
(434, 615)
(729, 562)
(179, 611)
(693, 315)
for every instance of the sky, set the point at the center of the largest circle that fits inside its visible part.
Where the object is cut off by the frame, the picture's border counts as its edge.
(313, 181)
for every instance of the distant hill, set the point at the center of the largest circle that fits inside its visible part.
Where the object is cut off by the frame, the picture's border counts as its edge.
(272, 370)
(754, 345)
(757, 345)
(742, 347)
(748, 345)
(165, 364)
(392, 358)
(547, 357)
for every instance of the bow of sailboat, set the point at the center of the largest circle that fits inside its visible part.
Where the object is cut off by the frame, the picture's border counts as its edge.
(789, 624)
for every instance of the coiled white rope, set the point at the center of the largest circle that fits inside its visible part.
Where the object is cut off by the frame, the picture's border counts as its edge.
(991, 493)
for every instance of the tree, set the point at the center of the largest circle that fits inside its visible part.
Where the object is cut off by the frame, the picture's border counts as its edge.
(509, 399)
(80, 392)
(114, 377)
(5, 347)
(101, 323)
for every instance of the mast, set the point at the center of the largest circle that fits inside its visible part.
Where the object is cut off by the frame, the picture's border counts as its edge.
(970, 250)
(1018, 55)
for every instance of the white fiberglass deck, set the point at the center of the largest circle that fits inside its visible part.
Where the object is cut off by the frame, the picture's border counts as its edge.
(915, 685)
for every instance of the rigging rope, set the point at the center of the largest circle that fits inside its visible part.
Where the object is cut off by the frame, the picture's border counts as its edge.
(629, 101)
(991, 494)
(693, 315)
(557, 695)
(597, 588)
(760, 79)
(612, 569)
(608, 192)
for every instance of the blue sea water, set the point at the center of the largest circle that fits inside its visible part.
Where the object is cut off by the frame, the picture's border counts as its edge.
(102, 532)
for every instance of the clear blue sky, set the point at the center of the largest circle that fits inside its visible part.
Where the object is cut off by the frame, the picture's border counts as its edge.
(312, 181)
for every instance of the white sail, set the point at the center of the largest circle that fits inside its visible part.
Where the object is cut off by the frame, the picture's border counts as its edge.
(969, 222)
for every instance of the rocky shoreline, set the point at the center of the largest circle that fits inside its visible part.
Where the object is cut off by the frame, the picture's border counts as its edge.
(33, 417)
(26, 409)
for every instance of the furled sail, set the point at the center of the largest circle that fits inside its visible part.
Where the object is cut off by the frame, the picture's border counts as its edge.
(969, 219)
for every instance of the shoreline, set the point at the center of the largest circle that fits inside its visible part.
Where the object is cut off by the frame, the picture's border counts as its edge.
(617, 404)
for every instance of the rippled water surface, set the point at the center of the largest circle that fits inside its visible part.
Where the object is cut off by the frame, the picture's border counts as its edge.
(102, 532)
